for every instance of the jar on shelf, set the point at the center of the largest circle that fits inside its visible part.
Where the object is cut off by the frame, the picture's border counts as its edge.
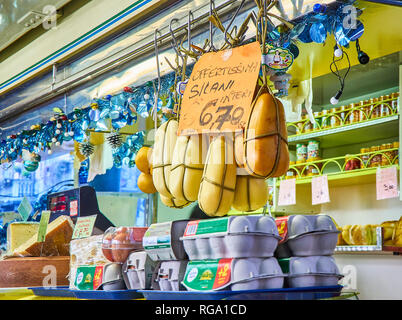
(291, 173)
(300, 124)
(354, 114)
(375, 108)
(313, 150)
(376, 159)
(312, 171)
(363, 110)
(300, 166)
(365, 157)
(394, 102)
(342, 113)
(386, 157)
(325, 119)
(334, 120)
(395, 152)
(351, 163)
(385, 107)
(317, 121)
(301, 152)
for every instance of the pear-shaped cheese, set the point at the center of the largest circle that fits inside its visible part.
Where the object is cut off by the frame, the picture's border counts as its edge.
(187, 167)
(266, 151)
(251, 193)
(174, 203)
(218, 182)
(162, 154)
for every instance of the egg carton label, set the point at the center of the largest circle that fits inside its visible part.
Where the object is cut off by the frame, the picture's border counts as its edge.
(158, 236)
(282, 225)
(208, 275)
(202, 227)
(89, 277)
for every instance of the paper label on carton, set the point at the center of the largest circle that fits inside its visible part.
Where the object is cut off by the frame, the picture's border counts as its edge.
(205, 275)
(209, 226)
(158, 237)
(282, 225)
(387, 183)
(89, 277)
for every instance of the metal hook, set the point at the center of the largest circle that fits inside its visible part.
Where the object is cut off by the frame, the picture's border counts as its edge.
(190, 17)
(211, 26)
(158, 88)
(231, 21)
(175, 45)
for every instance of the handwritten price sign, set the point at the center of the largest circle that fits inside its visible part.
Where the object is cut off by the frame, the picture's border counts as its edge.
(287, 192)
(387, 183)
(220, 91)
(319, 190)
(84, 227)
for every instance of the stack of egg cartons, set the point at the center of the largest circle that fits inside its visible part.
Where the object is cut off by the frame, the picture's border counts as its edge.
(305, 252)
(232, 253)
(163, 246)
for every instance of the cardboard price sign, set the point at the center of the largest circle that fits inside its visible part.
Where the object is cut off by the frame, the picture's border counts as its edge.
(387, 183)
(287, 192)
(220, 91)
(84, 227)
(319, 190)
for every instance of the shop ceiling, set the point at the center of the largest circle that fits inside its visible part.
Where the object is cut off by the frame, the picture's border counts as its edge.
(17, 17)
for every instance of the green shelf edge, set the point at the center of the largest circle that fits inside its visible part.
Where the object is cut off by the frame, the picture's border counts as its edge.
(345, 128)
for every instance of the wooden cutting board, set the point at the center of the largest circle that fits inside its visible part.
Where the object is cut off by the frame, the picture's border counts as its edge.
(34, 272)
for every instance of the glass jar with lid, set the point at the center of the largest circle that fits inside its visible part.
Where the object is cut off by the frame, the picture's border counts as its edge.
(291, 173)
(363, 110)
(386, 156)
(325, 119)
(375, 108)
(334, 120)
(385, 106)
(300, 124)
(353, 114)
(394, 102)
(352, 163)
(317, 121)
(365, 156)
(375, 158)
(395, 158)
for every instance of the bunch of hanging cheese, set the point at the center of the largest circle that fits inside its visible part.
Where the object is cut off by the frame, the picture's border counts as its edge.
(236, 165)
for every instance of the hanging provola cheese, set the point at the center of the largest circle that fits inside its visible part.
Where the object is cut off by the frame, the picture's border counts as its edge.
(265, 143)
(251, 193)
(174, 203)
(162, 154)
(218, 182)
(239, 149)
(187, 167)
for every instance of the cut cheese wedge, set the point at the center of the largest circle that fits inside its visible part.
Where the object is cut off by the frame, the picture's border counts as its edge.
(57, 241)
(20, 232)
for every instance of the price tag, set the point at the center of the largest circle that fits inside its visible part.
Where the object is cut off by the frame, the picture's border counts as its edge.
(319, 190)
(84, 227)
(287, 192)
(219, 92)
(387, 183)
(24, 209)
(44, 221)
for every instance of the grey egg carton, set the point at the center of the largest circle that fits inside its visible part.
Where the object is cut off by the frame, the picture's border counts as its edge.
(249, 274)
(244, 237)
(112, 278)
(162, 241)
(138, 270)
(308, 235)
(168, 275)
(313, 271)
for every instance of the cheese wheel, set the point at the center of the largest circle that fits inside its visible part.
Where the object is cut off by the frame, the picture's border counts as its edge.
(265, 145)
(145, 183)
(251, 193)
(218, 182)
(174, 203)
(187, 167)
(162, 154)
